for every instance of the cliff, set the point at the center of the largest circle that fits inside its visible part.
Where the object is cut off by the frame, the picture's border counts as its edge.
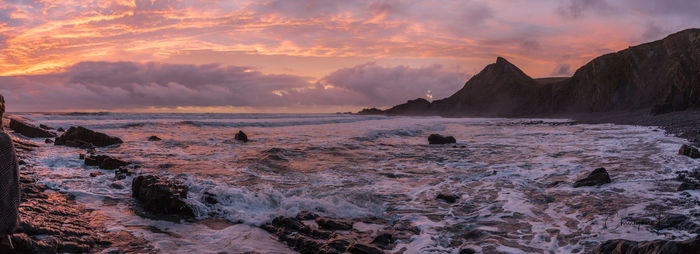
(661, 76)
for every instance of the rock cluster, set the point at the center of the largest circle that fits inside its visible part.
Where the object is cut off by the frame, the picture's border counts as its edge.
(619, 246)
(85, 138)
(310, 233)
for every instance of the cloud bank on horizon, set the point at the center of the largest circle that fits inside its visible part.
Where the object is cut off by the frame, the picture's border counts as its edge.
(320, 55)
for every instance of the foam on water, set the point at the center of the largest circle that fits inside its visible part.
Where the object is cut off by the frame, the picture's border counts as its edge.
(367, 166)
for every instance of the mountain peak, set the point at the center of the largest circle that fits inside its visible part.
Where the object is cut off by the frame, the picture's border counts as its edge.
(501, 60)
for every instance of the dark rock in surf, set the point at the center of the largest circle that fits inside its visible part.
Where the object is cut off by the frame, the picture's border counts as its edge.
(96, 174)
(80, 137)
(384, 240)
(154, 138)
(241, 136)
(161, 196)
(48, 141)
(449, 198)
(45, 127)
(121, 173)
(105, 162)
(689, 151)
(467, 251)
(437, 139)
(60, 129)
(29, 130)
(620, 246)
(599, 176)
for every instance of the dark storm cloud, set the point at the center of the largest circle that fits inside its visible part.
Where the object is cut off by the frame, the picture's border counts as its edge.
(120, 85)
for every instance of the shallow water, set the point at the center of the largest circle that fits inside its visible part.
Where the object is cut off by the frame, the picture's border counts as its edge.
(370, 166)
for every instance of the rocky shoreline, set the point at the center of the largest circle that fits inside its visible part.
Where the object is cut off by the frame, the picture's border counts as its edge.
(52, 222)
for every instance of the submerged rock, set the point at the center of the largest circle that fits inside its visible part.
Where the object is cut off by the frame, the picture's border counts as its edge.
(689, 151)
(30, 130)
(80, 137)
(333, 224)
(620, 246)
(241, 136)
(437, 139)
(599, 176)
(154, 138)
(161, 196)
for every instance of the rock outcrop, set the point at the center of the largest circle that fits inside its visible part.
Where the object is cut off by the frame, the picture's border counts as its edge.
(161, 196)
(660, 76)
(82, 137)
(30, 130)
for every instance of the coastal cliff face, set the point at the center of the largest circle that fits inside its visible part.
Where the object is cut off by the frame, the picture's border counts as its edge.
(662, 75)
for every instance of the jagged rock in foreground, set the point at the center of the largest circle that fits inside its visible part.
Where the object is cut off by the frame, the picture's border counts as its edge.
(689, 151)
(161, 196)
(660, 75)
(599, 176)
(29, 130)
(690, 246)
(310, 233)
(80, 137)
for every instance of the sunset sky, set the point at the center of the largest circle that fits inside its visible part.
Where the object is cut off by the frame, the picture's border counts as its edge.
(298, 56)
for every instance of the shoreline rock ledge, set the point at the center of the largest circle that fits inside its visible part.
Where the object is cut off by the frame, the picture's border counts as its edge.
(81, 137)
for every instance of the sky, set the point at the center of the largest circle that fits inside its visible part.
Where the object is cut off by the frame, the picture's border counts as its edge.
(299, 55)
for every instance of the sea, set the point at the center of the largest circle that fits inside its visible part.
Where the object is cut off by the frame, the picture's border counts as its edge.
(513, 178)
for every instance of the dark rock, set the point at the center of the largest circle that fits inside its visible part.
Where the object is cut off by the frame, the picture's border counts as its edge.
(105, 162)
(240, 136)
(360, 248)
(370, 111)
(467, 251)
(121, 173)
(154, 138)
(384, 240)
(48, 141)
(449, 198)
(79, 137)
(619, 246)
(689, 151)
(436, 139)
(210, 198)
(61, 129)
(116, 185)
(306, 215)
(29, 130)
(599, 176)
(333, 224)
(161, 196)
(45, 127)
(96, 173)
